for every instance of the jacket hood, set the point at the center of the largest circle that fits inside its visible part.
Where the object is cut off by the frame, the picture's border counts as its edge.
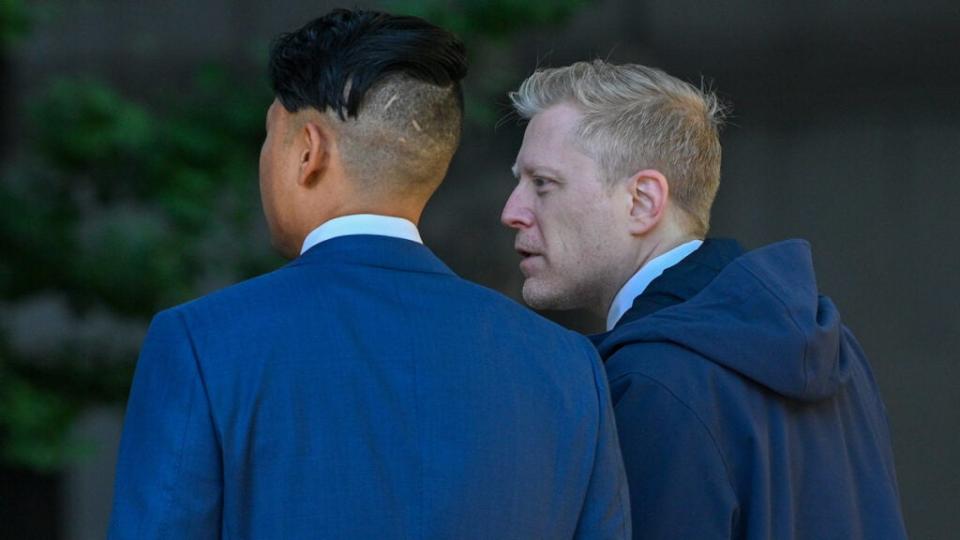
(762, 317)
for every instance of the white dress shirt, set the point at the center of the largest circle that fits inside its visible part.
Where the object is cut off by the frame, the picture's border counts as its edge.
(362, 224)
(635, 286)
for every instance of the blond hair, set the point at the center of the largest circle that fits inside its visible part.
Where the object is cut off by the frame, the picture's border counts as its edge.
(636, 117)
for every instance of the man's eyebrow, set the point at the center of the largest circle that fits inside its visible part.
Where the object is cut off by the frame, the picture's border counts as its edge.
(543, 170)
(536, 170)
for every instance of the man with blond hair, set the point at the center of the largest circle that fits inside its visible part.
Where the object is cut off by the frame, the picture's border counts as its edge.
(745, 408)
(364, 390)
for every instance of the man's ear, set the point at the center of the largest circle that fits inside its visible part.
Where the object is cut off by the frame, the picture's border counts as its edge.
(317, 144)
(649, 192)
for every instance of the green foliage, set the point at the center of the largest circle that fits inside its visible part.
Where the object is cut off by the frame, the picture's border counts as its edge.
(126, 195)
(121, 208)
(36, 424)
(14, 21)
(125, 209)
(84, 125)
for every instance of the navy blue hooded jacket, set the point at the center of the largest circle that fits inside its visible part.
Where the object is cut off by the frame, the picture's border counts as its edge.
(745, 408)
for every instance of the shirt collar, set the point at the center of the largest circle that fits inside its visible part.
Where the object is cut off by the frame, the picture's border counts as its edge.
(635, 286)
(362, 224)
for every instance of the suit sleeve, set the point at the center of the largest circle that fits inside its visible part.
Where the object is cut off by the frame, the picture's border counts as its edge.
(679, 483)
(606, 510)
(169, 471)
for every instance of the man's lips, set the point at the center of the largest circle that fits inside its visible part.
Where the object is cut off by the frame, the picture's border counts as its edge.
(529, 260)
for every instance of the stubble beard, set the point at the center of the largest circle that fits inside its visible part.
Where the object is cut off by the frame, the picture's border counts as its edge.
(541, 295)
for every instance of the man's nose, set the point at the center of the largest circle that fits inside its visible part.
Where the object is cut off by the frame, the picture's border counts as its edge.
(516, 213)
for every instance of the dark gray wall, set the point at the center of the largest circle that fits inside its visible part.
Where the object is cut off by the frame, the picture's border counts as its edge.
(846, 131)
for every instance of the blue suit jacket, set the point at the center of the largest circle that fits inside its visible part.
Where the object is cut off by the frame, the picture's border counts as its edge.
(365, 391)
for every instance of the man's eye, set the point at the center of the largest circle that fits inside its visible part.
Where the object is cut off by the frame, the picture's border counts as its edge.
(540, 182)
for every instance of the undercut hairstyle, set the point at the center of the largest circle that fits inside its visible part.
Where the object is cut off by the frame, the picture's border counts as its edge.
(390, 86)
(634, 118)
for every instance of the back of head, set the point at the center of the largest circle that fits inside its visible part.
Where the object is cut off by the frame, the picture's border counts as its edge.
(389, 86)
(634, 118)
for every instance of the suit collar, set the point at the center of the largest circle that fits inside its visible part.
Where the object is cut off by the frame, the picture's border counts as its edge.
(362, 224)
(376, 251)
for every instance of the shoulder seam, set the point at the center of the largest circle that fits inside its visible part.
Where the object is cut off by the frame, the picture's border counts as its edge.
(596, 368)
(203, 381)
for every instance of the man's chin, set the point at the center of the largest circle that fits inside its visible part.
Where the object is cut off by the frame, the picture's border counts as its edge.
(540, 296)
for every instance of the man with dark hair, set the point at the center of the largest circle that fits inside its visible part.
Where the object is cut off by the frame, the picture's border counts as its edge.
(364, 390)
(745, 408)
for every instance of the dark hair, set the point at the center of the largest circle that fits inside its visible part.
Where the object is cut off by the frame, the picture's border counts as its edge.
(312, 66)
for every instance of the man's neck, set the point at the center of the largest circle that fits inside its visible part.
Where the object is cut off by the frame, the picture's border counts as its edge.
(648, 251)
